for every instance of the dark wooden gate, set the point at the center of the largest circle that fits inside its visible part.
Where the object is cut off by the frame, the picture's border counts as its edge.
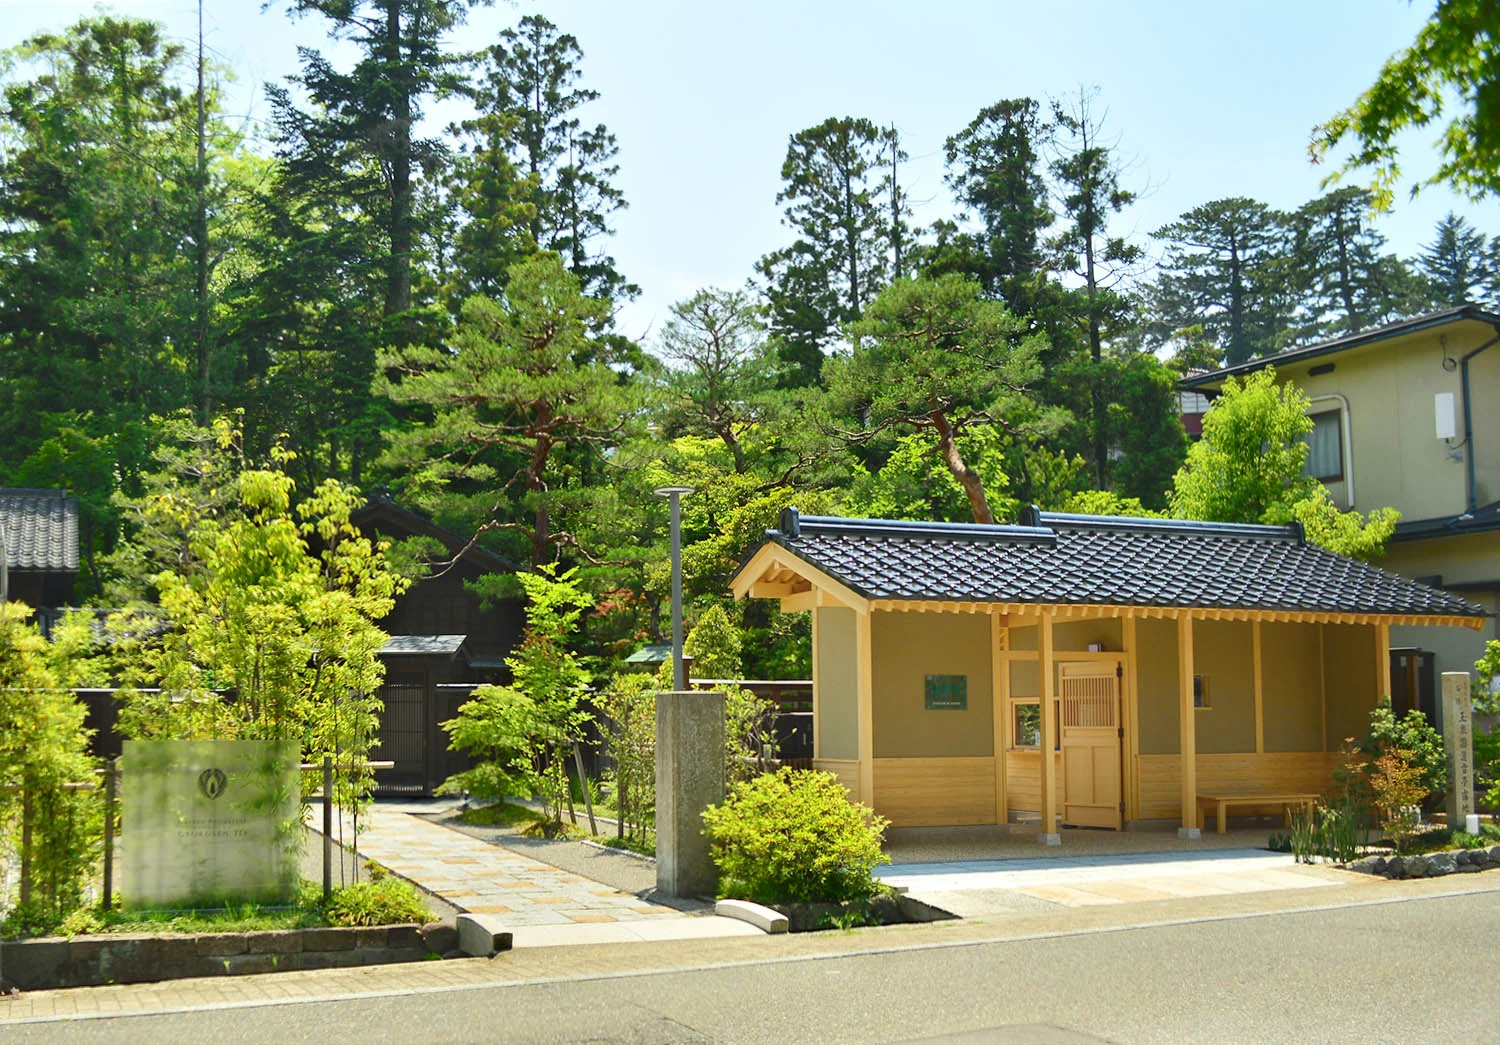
(403, 739)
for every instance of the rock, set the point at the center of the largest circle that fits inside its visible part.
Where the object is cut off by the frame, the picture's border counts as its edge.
(1495, 854)
(1478, 857)
(1395, 867)
(763, 918)
(1368, 865)
(1439, 864)
(441, 937)
(1417, 866)
(482, 935)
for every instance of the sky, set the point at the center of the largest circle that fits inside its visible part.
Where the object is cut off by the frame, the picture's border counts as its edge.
(1205, 100)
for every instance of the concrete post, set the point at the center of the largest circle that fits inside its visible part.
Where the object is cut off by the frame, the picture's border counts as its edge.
(689, 778)
(1458, 738)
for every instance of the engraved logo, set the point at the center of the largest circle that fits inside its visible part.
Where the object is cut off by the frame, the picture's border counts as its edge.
(211, 782)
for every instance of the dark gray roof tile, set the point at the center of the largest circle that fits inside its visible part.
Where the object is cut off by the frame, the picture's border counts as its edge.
(40, 529)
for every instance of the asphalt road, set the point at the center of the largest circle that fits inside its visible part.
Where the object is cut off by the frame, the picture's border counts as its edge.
(1420, 969)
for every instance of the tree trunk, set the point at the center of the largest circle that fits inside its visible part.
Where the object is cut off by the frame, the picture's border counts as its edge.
(966, 476)
(398, 273)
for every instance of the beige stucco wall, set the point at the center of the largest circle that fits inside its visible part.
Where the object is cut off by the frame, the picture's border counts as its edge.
(837, 682)
(907, 647)
(1156, 674)
(1467, 559)
(1350, 680)
(1397, 459)
(1291, 687)
(1223, 653)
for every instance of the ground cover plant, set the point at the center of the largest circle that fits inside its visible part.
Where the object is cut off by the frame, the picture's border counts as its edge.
(795, 837)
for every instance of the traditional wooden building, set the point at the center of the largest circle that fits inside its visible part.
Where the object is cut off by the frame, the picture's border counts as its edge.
(1084, 670)
(39, 535)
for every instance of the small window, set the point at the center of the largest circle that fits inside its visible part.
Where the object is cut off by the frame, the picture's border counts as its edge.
(1028, 725)
(1200, 692)
(1325, 448)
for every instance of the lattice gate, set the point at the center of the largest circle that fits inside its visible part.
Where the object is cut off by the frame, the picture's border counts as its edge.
(1093, 785)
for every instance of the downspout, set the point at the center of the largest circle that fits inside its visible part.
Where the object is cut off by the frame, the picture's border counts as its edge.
(1463, 382)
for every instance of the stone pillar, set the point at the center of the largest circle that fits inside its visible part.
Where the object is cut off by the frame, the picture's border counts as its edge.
(689, 778)
(1458, 738)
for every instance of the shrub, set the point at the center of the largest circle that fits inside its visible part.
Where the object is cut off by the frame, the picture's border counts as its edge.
(1421, 745)
(794, 837)
(388, 901)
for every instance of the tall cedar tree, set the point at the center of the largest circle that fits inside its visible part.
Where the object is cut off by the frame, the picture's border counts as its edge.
(532, 177)
(932, 355)
(842, 196)
(524, 384)
(1457, 264)
(96, 165)
(1346, 283)
(1087, 177)
(994, 170)
(1224, 271)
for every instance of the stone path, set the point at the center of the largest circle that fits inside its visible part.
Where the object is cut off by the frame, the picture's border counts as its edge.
(968, 887)
(543, 905)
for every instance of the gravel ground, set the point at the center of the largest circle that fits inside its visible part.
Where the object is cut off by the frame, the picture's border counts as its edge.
(916, 845)
(312, 870)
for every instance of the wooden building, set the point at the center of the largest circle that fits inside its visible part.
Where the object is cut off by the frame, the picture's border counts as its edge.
(1084, 670)
(39, 535)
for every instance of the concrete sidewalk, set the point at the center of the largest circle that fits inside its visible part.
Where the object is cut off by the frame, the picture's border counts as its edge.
(541, 904)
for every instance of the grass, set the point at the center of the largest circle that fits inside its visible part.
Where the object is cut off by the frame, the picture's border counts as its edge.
(634, 845)
(501, 814)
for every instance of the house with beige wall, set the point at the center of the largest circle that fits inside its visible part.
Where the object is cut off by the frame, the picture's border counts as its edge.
(1407, 416)
(1083, 670)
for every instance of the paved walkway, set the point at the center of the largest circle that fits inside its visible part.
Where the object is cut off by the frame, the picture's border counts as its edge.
(973, 887)
(543, 905)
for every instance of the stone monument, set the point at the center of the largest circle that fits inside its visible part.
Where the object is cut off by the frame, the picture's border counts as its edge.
(689, 778)
(1458, 738)
(209, 822)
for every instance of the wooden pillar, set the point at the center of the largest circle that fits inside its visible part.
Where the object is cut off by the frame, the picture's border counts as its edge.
(1260, 710)
(817, 732)
(1049, 835)
(1323, 685)
(866, 691)
(1130, 701)
(1382, 662)
(1187, 731)
(1000, 700)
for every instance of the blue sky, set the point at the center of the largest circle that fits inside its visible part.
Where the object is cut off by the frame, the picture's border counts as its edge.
(1207, 99)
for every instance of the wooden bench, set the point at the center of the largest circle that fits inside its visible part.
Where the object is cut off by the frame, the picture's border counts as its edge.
(1222, 800)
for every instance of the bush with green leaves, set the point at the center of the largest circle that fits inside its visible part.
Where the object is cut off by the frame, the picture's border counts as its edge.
(1413, 736)
(43, 748)
(629, 702)
(523, 734)
(388, 901)
(794, 837)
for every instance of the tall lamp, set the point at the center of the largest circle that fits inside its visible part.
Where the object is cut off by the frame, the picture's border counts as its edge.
(672, 494)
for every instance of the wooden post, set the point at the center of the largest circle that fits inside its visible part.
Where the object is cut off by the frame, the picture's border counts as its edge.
(1382, 662)
(1187, 732)
(1000, 699)
(817, 733)
(865, 659)
(1130, 700)
(583, 782)
(327, 827)
(110, 769)
(1049, 835)
(1260, 710)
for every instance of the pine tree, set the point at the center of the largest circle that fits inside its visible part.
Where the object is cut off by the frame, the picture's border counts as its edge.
(1457, 263)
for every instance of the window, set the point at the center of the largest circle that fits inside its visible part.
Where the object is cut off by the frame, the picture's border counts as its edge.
(1028, 725)
(1325, 448)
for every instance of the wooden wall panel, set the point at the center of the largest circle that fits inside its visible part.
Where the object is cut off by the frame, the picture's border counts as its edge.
(1160, 779)
(1023, 780)
(935, 792)
(847, 770)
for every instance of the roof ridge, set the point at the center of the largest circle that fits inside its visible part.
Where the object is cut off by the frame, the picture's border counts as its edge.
(793, 524)
(1292, 531)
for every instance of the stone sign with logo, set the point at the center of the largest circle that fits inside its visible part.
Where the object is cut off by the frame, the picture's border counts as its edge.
(206, 822)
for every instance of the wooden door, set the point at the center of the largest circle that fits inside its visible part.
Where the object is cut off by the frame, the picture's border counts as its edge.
(1089, 702)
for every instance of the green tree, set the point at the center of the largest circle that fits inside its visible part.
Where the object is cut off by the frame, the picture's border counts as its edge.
(525, 383)
(534, 178)
(525, 732)
(1344, 282)
(932, 355)
(1147, 421)
(1087, 176)
(1248, 468)
(1224, 272)
(43, 746)
(995, 172)
(1454, 58)
(714, 644)
(1457, 263)
(96, 168)
(842, 202)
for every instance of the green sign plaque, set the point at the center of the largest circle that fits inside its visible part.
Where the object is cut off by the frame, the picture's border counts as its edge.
(947, 692)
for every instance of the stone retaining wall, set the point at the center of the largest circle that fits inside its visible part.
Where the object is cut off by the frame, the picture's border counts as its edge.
(1430, 865)
(87, 961)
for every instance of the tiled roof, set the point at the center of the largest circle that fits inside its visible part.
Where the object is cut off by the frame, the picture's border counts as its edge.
(40, 528)
(1100, 560)
(422, 645)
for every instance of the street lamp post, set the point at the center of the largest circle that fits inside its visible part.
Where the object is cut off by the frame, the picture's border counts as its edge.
(672, 494)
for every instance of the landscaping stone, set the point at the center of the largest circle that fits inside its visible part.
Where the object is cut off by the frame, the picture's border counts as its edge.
(337, 938)
(1478, 857)
(885, 909)
(1441, 864)
(1495, 854)
(225, 943)
(482, 935)
(275, 941)
(1395, 867)
(404, 938)
(765, 919)
(440, 937)
(1368, 865)
(1417, 866)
